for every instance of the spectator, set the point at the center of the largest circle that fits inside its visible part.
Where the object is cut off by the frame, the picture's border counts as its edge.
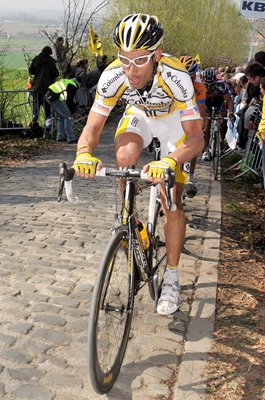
(44, 71)
(242, 84)
(260, 57)
(81, 71)
(254, 72)
(253, 113)
(61, 55)
(60, 96)
(102, 64)
(227, 78)
(240, 81)
(93, 77)
(261, 128)
(239, 68)
(248, 114)
(220, 71)
(81, 99)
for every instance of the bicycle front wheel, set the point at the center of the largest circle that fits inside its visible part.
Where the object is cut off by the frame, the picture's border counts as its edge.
(110, 315)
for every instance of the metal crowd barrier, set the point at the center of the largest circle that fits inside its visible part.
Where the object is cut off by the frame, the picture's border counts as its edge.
(251, 160)
(15, 109)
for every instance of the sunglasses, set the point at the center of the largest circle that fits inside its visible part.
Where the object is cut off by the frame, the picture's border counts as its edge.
(138, 61)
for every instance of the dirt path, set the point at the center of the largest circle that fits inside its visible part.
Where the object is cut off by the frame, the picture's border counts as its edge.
(237, 363)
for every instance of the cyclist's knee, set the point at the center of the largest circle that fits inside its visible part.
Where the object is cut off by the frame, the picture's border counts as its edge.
(126, 156)
(128, 148)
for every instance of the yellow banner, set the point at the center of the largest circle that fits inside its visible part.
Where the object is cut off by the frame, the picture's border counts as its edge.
(197, 58)
(95, 45)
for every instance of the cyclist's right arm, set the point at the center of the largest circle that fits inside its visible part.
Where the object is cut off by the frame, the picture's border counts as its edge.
(109, 89)
(85, 164)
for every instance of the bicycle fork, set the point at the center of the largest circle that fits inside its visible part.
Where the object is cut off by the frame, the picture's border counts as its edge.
(154, 193)
(137, 250)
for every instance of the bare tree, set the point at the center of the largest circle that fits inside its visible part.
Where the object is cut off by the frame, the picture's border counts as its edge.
(75, 25)
(261, 28)
(4, 46)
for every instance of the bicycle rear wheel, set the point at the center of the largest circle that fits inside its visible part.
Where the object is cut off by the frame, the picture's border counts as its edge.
(110, 315)
(157, 253)
(215, 153)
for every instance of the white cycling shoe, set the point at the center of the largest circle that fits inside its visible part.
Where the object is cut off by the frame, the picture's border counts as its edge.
(168, 301)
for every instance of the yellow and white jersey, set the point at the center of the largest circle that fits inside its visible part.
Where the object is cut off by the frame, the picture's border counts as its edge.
(172, 90)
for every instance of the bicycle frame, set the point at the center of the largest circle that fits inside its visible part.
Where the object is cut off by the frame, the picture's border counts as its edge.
(136, 250)
(125, 268)
(214, 144)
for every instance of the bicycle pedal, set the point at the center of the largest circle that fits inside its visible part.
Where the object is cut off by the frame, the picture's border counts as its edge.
(190, 194)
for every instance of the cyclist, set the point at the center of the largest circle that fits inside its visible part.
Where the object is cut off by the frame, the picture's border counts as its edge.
(159, 98)
(217, 96)
(192, 67)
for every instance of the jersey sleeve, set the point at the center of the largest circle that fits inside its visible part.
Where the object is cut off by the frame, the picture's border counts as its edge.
(179, 84)
(109, 89)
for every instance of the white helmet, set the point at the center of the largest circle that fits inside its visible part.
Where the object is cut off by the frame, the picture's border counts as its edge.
(138, 32)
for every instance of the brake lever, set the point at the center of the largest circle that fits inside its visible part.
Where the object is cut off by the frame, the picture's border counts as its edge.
(66, 175)
(62, 169)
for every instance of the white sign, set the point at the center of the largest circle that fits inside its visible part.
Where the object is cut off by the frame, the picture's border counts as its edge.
(224, 60)
(252, 9)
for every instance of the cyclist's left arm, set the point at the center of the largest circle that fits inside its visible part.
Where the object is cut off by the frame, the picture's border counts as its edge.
(229, 101)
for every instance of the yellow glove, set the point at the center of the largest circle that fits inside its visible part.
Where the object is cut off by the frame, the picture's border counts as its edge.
(86, 163)
(157, 168)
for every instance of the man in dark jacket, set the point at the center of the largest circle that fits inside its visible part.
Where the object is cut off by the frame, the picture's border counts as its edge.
(93, 78)
(45, 72)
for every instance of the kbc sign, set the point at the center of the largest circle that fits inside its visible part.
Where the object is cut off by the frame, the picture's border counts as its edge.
(252, 9)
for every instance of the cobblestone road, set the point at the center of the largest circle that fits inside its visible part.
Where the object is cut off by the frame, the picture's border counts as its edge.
(48, 262)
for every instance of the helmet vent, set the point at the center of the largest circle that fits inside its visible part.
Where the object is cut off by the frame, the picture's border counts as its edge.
(128, 37)
(137, 35)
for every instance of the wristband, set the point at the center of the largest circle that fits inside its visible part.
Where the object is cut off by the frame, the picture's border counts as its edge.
(173, 158)
(86, 146)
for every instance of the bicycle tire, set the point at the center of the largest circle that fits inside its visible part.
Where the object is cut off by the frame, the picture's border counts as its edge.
(110, 315)
(157, 253)
(215, 150)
